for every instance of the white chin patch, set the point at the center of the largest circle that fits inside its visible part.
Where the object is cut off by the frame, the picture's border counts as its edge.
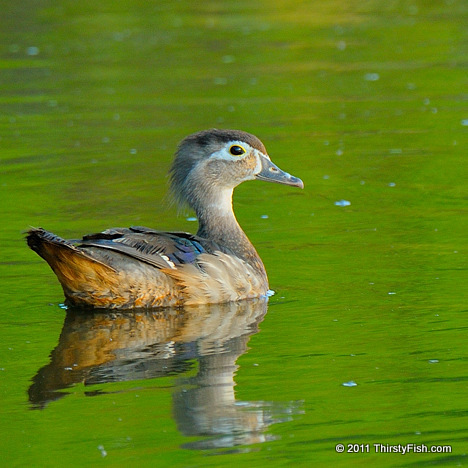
(258, 167)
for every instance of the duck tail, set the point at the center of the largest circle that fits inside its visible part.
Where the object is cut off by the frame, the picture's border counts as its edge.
(75, 269)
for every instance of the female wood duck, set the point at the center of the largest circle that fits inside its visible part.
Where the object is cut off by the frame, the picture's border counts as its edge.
(141, 267)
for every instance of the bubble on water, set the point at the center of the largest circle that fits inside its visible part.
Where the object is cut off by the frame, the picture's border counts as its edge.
(220, 81)
(342, 203)
(371, 76)
(341, 45)
(351, 383)
(32, 51)
(102, 450)
(228, 59)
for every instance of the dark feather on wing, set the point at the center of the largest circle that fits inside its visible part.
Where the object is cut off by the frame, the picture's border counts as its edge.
(151, 246)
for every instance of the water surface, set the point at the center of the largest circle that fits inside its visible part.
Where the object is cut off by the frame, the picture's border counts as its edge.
(364, 341)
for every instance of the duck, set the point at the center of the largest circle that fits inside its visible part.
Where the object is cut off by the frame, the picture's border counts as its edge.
(140, 267)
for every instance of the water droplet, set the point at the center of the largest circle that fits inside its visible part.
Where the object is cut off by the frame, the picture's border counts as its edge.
(191, 218)
(391, 184)
(228, 59)
(351, 383)
(464, 122)
(102, 450)
(264, 216)
(341, 45)
(342, 203)
(433, 361)
(32, 51)
(371, 76)
(133, 151)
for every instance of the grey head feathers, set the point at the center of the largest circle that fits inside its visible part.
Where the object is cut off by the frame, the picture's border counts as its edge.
(197, 147)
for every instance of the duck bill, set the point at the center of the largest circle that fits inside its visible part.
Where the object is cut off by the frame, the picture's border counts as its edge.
(272, 173)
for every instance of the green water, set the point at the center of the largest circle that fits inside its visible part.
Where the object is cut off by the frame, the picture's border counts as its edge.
(366, 102)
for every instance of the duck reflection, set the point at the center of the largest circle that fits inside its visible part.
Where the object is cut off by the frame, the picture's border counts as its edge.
(101, 347)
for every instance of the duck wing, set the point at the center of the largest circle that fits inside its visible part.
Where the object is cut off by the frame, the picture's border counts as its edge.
(161, 249)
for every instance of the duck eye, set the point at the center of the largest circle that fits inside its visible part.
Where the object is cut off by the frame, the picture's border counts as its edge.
(236, 150)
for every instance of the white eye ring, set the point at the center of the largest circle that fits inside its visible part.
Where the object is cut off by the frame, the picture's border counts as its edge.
(236, 150)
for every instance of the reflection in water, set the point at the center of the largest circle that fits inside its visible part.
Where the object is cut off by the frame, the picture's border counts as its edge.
(100, 347)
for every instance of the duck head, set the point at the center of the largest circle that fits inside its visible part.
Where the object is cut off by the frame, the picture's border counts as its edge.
(219, 160)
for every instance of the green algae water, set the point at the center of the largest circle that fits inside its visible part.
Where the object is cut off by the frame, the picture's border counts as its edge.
(363, 346)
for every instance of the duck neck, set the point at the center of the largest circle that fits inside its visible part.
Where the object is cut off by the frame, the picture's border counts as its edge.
(218, 224)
